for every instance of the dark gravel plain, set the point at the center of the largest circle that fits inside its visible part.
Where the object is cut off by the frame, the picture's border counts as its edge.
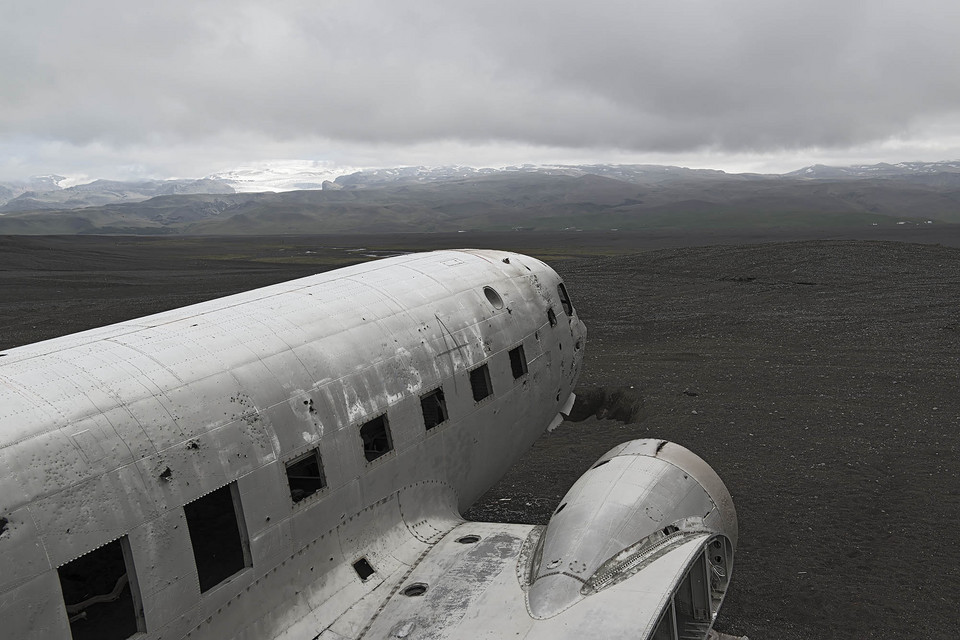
(818, 377)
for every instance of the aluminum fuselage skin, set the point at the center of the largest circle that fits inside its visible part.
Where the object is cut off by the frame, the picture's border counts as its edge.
(106, 435)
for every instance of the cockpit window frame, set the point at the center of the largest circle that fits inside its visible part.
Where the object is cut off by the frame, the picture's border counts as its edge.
(565, 299)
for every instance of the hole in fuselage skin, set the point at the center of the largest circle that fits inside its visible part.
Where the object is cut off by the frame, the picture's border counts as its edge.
(471, 539)
(601, 463)
(415, 590)
(560, 508)
(363, 568)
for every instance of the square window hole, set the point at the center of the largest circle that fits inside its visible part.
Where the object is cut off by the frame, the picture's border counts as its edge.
(434, 408)
(518, 362)
(100, 593)
(305, 475)
(218, 536)
(480, 383)
(376, 438)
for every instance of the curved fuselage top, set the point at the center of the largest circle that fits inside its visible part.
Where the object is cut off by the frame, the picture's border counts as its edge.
(108, 429)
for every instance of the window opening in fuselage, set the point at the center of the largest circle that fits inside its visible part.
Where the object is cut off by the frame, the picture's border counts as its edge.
(376, 438)
(518, 362)
(218, 535)
(434, 408)
(305, 475)
(480, 383)
(565, 299)
(101, 595)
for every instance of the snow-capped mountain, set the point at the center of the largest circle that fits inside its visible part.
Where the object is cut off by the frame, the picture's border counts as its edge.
(48, 192)
(880, 170)
(59, 192)
(281, 175)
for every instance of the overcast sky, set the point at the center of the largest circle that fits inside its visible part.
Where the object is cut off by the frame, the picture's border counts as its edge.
(184, 88)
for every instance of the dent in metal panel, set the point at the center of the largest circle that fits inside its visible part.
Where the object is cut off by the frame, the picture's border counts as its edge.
(35, 611)
(22, 556)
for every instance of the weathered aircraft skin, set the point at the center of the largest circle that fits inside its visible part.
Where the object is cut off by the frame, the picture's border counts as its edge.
(292, 462)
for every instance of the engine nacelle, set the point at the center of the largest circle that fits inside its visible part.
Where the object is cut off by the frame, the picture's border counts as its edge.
(646, 506)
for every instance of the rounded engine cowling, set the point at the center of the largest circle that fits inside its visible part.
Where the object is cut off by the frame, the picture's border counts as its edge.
(640, 501)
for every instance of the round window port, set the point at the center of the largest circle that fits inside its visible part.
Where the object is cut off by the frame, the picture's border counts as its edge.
(471, 539)
(493, 297)
(414, 590)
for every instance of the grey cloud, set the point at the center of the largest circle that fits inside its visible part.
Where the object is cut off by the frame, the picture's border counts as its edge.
(733, 76)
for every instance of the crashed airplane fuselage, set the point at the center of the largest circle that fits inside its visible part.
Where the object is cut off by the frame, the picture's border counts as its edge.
(292, 462)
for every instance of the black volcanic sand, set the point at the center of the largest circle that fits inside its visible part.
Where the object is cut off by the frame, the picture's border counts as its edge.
(819, 378)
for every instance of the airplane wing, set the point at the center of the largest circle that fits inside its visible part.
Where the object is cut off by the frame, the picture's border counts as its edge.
(641, 546)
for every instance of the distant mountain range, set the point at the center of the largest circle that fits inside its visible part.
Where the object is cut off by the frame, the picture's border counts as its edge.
(311, 199)
(881, 170)
(45, 192)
